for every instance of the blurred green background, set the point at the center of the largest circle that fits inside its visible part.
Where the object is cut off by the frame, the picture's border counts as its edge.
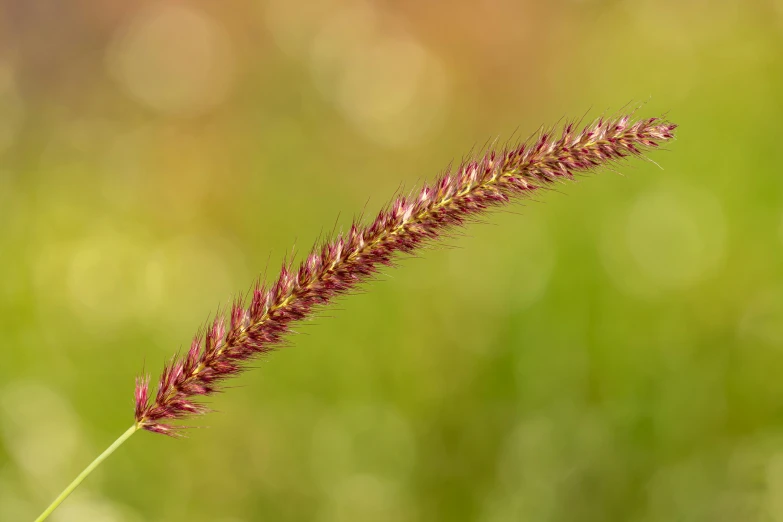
(610, 354)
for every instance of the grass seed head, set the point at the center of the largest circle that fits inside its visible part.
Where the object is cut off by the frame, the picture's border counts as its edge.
(339, 265)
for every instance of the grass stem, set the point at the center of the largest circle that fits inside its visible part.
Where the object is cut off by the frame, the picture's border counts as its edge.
(89, 469)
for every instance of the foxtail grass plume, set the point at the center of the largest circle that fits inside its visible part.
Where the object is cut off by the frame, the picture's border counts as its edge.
(341, 264)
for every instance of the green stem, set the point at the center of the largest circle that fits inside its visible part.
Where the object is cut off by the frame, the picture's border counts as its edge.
(94, 464)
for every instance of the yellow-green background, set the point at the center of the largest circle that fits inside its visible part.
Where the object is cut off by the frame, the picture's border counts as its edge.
(615, 353)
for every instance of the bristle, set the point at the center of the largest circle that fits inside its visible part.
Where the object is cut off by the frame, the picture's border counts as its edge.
(340, 265)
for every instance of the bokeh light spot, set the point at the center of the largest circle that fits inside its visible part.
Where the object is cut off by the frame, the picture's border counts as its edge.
(367, 497)
(362, 439)
(394, 91)
(670, 238)
(81, 507)
(763, 318)
(173, 59)
(387, 84)
(39, 428)
(293, 22)
(214, 262)
(104, 275)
